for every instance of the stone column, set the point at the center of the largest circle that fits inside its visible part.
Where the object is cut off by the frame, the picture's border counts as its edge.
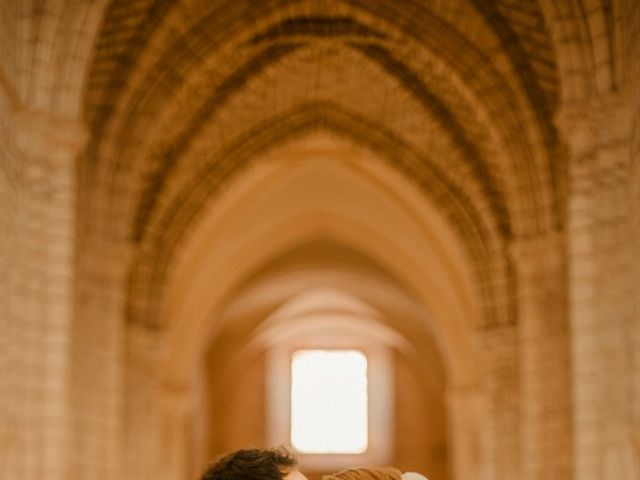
(98, 354)
(43, 281)
(175, 434)
(143, 456)
(501, 451)
(545, 375)
(9, 239)
(467, 407)
(604, 290)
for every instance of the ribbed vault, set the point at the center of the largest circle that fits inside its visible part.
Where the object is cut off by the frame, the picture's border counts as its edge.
(184, 95)
(158, 156)
(173, 66)
(203, 185)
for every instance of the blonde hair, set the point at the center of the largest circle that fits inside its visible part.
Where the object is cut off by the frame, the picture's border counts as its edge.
(378, 473)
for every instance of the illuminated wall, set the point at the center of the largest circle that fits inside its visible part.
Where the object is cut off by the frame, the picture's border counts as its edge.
(173, 174)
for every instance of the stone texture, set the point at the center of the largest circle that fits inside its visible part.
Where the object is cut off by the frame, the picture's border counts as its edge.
(127, 128)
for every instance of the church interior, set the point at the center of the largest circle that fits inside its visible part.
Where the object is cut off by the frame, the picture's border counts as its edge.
(201, 198)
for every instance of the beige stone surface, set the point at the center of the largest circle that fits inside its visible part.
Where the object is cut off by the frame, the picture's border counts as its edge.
(181, 180)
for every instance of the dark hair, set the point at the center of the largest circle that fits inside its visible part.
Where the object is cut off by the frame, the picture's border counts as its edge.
(252, 464)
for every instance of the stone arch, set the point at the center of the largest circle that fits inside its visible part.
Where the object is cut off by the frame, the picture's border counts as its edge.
(583, 33)
(438, 276)
(53, 62)
(379, 313)
(482, 242)
(319, 225)
(43, 77)
(483, 80)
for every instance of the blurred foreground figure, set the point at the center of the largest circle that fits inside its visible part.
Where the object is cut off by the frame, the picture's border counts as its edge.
(255, 464)
(380, 473)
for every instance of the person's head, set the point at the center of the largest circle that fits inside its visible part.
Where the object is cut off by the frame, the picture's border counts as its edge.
(255, 464)
(380, 473)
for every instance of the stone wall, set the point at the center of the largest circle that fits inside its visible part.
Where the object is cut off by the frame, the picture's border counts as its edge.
(9, 252)
(562, 391)
(603, 258)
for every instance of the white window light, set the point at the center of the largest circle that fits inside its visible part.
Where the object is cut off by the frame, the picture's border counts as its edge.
(329, 404)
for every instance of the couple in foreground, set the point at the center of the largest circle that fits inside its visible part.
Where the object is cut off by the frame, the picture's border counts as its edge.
(280, 464)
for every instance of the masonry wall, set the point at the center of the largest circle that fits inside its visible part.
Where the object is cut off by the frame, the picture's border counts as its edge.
(9, 250)
(13, 360)
(603, 256)
(39, 216)
(62, 340)
(37, 225)
(635, 247)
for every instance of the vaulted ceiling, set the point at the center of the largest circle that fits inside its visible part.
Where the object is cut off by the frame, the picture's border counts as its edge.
(459, 96)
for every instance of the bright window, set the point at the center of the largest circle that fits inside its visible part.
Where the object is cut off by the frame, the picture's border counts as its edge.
(329, 401)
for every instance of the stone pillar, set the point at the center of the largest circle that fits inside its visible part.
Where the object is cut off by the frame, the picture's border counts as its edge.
(175, 434)
(98, 359)
(604, 289)
(500, 425)
(467, 407)
(545, 374)
(9, 238)
(42, 286)
(142, 405)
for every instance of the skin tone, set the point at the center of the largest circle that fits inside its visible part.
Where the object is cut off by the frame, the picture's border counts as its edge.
(295, 474)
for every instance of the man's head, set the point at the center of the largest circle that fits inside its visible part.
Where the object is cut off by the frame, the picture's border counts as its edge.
(255, 464)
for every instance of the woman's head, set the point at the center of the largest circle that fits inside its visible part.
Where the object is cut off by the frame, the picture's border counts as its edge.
(380, 473)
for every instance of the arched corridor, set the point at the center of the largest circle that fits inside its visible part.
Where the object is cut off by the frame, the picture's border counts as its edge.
(194, 192)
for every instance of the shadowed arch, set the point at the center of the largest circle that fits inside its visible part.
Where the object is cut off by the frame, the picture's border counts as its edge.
(479, 234)
(323, 258)
(201, 41)
(264, 310)
(304, 258)
(171, 156)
